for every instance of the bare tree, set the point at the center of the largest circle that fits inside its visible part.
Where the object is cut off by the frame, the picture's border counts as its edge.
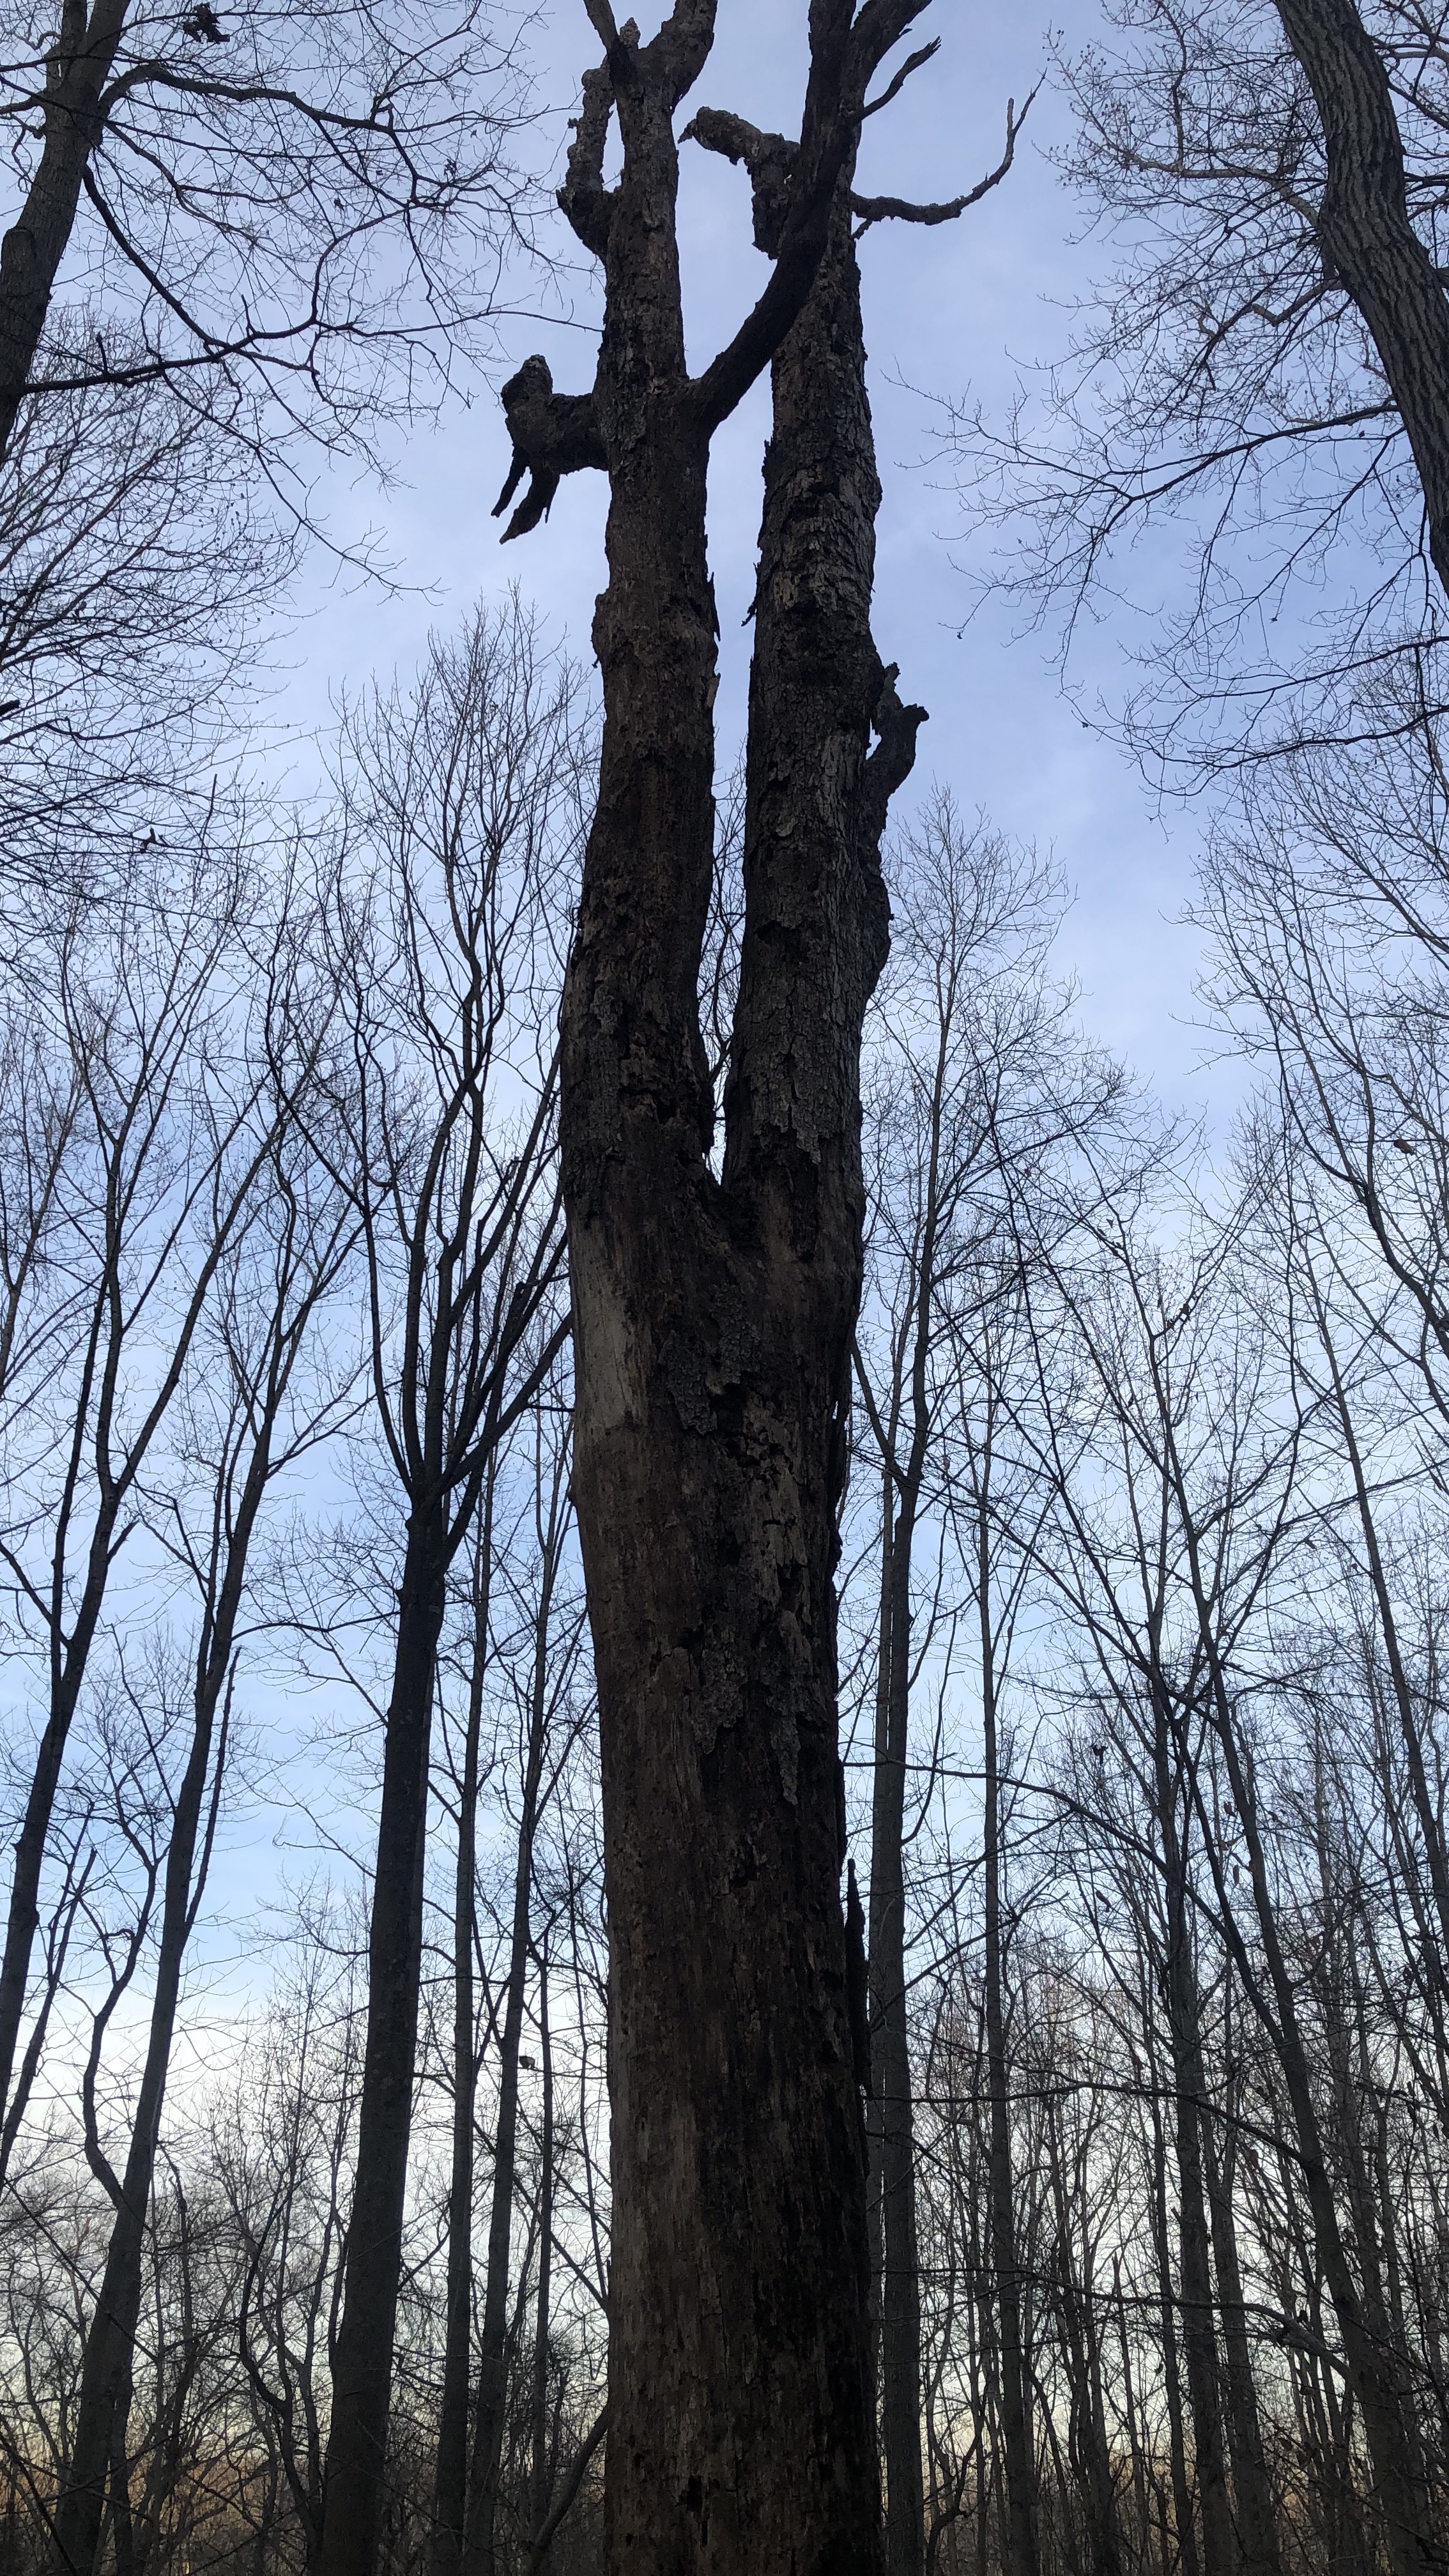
(224, 183)
(713, 1322)
(979, 1092)
(150, 1174)
(1264, 362)
(465, 801)
(263, 1406)
(136, 559)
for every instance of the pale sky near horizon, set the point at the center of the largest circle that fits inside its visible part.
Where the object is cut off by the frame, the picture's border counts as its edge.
(952, 311)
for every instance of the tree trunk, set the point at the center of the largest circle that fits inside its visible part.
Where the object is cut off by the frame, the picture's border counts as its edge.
(1015, 2424)
(68, 1661)
(1369, 242)
(1257, 2530)
(540, 2463)
(1189, 2092)
(713, 1336)
(893, 2177)
(1373, 2372)
(31, 252)
(362, 2365)
(492, 2393)
(99, 2448)
(450, 2494)
(712, 1323)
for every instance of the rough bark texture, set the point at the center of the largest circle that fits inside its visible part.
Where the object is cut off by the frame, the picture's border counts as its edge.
(1369, 241)
(73, 114)
(712, 1326)
(817, 680)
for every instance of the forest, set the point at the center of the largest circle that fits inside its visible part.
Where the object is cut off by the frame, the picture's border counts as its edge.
(725, 1668)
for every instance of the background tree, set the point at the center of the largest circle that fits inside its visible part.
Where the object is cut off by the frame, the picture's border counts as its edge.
(217, 188)
(465, 799)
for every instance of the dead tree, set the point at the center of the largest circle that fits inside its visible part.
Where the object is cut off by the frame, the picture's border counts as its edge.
(712, 1320)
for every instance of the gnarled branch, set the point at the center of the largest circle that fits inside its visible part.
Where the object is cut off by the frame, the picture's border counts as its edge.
(875, 210)
(553, 435)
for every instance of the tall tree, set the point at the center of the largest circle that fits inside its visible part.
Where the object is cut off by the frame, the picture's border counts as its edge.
(466, 800)
(150, 1147)
(267, 1408)
(712, 1324)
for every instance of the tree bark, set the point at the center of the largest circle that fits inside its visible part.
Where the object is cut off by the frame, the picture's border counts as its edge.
(362, 2363)
(712, 1342)
(73, 114)
(1369, 241)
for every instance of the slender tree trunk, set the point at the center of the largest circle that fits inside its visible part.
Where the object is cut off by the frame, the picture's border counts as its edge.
(1413, 2548)
(900, 2285)
(69, 1656)
(99, 2447)
(1189, 2081)
(540, 2466)
(874, 2131)
(1426, 1807)
(451, 2476)
(492, 2392)
(1092, 2469)
(31, 252)
(479, 1253)
(362, 2364)
(1015, 2423)
(1182, 2513)
(1257, 2529)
